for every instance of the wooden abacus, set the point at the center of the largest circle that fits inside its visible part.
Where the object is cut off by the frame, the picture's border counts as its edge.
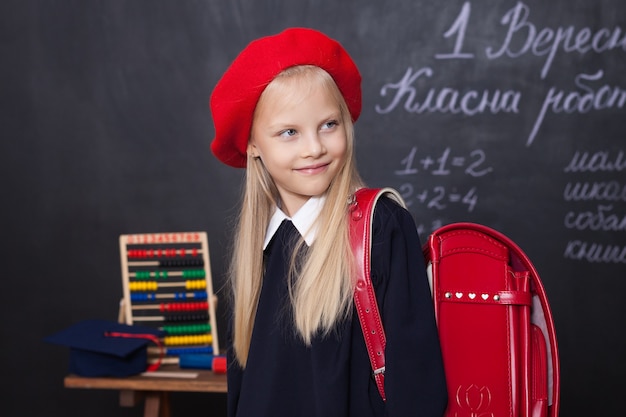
(167, 284)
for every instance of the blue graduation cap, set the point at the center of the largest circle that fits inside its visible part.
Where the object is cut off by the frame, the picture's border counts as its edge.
(106, 348)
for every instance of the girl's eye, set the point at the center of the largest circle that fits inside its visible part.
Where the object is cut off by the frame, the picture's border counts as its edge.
(288, 132)
(330, 124)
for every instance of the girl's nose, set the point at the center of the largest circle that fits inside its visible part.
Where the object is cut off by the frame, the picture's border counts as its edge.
(313, 147)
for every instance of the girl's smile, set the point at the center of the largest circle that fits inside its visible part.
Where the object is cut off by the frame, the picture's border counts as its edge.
(313, 169)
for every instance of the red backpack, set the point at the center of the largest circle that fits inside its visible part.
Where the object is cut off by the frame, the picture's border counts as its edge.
(495, 326)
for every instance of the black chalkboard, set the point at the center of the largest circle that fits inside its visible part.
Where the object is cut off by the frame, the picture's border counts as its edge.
(506, 113)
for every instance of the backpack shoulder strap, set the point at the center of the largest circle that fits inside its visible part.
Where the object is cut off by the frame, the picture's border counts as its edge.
(360, 217)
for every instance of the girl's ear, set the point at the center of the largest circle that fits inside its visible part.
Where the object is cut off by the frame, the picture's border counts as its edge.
(252, 150)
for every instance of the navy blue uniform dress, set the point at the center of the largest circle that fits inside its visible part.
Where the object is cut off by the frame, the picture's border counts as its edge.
(332, 376)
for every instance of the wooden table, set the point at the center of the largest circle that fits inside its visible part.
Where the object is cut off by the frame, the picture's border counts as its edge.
(154, 389)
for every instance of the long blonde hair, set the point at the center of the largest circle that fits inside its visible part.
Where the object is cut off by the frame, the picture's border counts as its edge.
(321, 286)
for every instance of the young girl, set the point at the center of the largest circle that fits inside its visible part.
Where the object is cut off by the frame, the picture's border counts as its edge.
(284, 110)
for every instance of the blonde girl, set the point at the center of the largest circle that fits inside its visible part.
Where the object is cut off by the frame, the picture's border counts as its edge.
(284, 110)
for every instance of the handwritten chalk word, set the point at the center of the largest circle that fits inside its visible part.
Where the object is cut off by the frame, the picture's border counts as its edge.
(600, 220)
(445, 100)
(472, 165)
(598, 191)
(581, 102)
(438, 198)
(600, 161)
(548, 41)
(595, 252)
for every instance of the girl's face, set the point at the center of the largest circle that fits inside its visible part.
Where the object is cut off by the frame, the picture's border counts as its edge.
(301, 141)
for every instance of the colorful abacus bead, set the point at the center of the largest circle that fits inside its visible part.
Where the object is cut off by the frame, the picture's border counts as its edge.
(142, 296)
(184, 306)
(150, 274)
(194, 273)
(142, 286)
(187, 328)
(188, 340)
(177, 318)
(198, 295)
(195, 284)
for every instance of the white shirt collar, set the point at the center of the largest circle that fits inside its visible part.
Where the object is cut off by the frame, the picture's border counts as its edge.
(302, 220)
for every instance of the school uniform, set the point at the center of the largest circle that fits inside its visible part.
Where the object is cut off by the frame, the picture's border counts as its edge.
(332, 376)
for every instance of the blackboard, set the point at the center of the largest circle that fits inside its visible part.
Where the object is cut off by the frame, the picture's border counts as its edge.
(506, 113)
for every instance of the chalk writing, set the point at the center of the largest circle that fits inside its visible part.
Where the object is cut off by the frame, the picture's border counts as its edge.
(459, 27)
(446, 100)
(602, 219)
(595, 252)
(606, 217)
(598, 191)
(548, 41)
(559, 101)
(601, 161)
(472, 165)
(595, 205)
(447, 162)
(523, 37)
(438, 197)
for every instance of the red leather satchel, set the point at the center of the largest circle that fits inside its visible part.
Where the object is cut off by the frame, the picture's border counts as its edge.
(495, 324)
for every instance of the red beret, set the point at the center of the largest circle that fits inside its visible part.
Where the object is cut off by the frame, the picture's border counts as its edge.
(236, 94)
